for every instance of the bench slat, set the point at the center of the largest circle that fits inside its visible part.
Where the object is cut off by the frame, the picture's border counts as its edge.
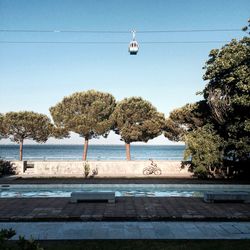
(92, 196)
(227, 196)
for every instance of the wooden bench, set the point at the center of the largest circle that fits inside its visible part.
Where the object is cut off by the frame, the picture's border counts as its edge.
(92, 196)
(211, 197)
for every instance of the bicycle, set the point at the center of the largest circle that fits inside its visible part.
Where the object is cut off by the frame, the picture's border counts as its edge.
(152, 169)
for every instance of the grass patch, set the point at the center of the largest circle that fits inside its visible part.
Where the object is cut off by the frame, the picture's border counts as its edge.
(146, 245)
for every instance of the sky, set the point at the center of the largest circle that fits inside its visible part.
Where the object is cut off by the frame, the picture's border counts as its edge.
(37, 76)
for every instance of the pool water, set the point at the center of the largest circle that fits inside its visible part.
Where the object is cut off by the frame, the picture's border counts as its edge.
(134, 190)
(66, 193)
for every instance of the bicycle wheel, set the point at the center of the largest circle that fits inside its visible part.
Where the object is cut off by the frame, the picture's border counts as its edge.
(146, 171)
(157, 171)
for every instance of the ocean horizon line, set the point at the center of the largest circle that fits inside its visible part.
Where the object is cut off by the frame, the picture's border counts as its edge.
(70, 144)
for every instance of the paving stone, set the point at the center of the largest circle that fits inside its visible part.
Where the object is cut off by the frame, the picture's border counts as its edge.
(128, 230)
(146, 233)
(243, 227)
(230, 228)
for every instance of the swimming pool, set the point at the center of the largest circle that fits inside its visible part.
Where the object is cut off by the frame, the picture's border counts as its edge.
(134, 190)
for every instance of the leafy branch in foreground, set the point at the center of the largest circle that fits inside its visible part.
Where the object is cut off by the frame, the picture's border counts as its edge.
(22, 243)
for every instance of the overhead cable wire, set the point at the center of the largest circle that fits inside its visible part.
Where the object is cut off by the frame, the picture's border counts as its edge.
(115, 31)
(94, 42)
(182, 42)
(187, 31)
(63, 31)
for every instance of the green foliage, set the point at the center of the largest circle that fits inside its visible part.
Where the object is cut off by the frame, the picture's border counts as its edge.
(59, 133)
(217, 129)
(85, 113)
(31, 244)
(5, 235)
(27, 125)
(22, 243)
(2, 129)
(205, 148)
(94, 172)
(247, 28)
(23, 125)
(200, 172)
(228, 74)
(86, 167)
(228, 95)
(185, 119)
(6, 168)
(137, 120)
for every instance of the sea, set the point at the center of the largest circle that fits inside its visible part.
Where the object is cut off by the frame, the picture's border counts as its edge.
(95, 152)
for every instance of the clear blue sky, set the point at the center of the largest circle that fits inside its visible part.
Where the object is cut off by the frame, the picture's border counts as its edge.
(37, 76)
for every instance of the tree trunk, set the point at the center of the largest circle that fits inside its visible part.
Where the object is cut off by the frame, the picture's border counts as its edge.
(85, 149)
(128, 151)
(21, 150)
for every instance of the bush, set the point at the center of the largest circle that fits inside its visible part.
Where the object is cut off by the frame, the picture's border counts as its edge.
(22, 243)
(5, 235)
(6, 168)
(28, 244)
(204, 149)
(201, 172)
(86, 169)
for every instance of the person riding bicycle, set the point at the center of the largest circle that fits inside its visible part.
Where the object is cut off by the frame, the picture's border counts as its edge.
(152, 169)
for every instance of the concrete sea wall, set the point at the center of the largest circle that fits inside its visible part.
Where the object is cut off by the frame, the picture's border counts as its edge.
(98, 168)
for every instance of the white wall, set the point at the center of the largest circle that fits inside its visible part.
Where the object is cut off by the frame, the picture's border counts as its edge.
(105, 168)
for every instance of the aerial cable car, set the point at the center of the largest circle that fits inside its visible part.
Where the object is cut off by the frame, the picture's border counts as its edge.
(133, 45)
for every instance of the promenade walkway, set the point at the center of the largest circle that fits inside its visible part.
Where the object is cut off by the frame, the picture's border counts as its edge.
(130, 230)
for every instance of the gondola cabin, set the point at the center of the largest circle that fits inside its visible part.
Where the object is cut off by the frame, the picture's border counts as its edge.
(133, 48)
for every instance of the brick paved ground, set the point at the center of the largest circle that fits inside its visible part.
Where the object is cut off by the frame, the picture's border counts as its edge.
(125, 209)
